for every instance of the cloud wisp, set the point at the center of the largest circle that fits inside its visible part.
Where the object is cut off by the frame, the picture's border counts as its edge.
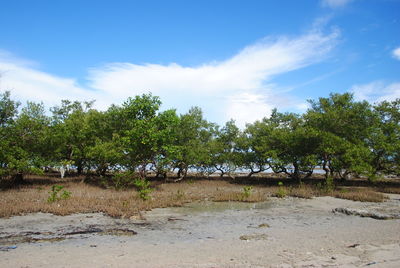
(335, 3)
(377, 91)
(241, 84)
(396, 53)
(239, 87)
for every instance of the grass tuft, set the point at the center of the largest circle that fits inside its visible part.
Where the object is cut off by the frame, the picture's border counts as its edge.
(363, 195)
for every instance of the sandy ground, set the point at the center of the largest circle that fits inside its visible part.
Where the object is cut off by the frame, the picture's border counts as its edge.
(279, 233)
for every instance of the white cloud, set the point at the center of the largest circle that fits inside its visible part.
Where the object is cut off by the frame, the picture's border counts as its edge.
(396, 53)
(335, 3)
(376, 91)
(236, 88)
(25, 82)
(242, 77)
(247, 107)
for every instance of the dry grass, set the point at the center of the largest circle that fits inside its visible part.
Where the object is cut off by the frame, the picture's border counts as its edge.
(88, 198)
(359, 194)
(389, 190)
(124, 203)
(257, 196)
(308, 191)
(303, 191)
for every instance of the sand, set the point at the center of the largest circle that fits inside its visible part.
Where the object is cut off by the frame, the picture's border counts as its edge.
(287, 232)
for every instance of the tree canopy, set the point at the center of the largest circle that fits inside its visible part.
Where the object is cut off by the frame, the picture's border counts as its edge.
(341, 136)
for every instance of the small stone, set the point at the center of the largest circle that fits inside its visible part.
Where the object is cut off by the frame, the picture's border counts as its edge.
(253, 237)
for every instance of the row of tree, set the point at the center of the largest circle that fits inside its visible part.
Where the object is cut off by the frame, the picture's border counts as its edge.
(342, 136)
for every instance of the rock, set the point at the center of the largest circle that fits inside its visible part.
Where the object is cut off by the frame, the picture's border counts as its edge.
(365, 213)
(264, 225)
(253, 237)
(353, 246)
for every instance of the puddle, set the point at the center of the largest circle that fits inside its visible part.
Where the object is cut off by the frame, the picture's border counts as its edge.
(215, 207)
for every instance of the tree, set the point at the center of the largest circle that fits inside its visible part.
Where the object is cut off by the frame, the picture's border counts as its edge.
(192, 142)
(105, 150)
(292, 145)
(70, 133)
(9, 156)
(23, 143)
(139, 133)
(385, 140)
(253, 152)
(344, 127)
(222, 148)
(167, 124)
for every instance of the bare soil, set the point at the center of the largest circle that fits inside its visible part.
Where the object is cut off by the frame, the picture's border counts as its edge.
(288, 232)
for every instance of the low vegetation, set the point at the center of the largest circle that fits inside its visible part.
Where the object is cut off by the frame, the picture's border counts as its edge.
(119, 160)
(72, 195)
(359, 194)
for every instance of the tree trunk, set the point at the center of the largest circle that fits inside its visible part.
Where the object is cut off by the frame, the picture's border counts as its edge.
(296, 173)
(18, 178)
(79, 169)
(325, 167)
(103, 171)
(142, 171)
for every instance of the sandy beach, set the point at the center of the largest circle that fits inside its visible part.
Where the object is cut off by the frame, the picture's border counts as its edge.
(288, 232)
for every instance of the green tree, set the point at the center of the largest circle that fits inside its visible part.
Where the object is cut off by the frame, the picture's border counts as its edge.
(222, 148)
(292, 145)
(23, 143)
(70, 133)
(139, 133)
(385, 140)
(192, 145)
(344, 127)
(10, 155)
(105, 151)
(168, 149)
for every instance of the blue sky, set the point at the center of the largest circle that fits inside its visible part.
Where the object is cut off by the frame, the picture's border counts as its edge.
(234, 59)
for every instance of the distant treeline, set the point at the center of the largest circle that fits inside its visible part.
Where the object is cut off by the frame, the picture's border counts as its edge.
(342, 136)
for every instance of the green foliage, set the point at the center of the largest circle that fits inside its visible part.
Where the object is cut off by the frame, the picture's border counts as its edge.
(344, 137)
(23, 144)
(281, 193)
(143, 187)
(222, 148)
(247, 190)
(122, 180)
(57, 195)
(345, 129)
(328, 186)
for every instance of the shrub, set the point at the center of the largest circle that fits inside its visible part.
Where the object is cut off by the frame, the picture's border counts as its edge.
(247, 190)
(56, 194)
(281, 193)
(143, 187)
(122, 180)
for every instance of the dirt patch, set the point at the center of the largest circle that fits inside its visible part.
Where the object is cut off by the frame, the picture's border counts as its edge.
(301, 233)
